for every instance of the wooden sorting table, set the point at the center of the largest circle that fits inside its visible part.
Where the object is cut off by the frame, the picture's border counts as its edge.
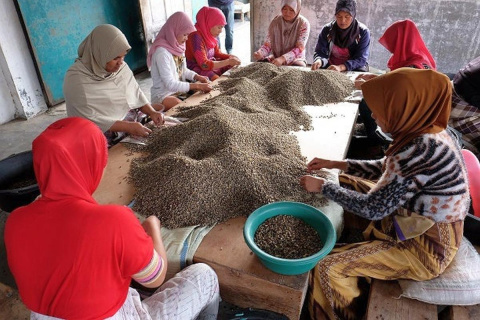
(244, 281)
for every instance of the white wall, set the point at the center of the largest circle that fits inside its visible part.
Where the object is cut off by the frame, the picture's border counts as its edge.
(20, 91)
(155, 13)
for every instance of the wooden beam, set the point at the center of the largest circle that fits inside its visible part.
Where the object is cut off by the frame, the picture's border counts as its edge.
(384, 303)
(244, 281)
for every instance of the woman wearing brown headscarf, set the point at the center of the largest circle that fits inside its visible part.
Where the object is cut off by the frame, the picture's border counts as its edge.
(416, 205)
(100, 86)
(287, 37)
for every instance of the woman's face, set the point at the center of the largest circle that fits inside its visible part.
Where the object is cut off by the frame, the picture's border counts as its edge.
(216, 30)
(380, 123)
(288, 13)
(344, 19)
(116, 63)
(182, 38)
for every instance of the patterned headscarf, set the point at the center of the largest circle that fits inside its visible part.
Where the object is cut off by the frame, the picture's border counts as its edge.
(207, 18)
(410, 102)
(177, 24)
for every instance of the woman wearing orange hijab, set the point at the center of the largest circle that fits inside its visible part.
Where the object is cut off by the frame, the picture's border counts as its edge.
(203, 52)
(416, 206)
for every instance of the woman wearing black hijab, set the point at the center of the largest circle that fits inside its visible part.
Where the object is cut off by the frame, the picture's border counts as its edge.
(343, 44)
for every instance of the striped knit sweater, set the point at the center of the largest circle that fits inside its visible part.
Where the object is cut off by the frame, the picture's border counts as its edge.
(427, 176)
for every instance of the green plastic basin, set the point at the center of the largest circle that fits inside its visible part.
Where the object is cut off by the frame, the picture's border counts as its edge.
(307, 213)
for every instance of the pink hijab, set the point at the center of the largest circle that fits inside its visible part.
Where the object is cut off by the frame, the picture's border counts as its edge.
(177, 24)
(207, 18)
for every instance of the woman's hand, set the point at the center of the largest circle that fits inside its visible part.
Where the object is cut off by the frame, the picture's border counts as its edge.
(138, 129)
(319, 163)
(257, 56)
(234, 61)
(279, 61)
(312, 184)
(204, 87)
(338, 68)
(317, 65)
(362, 78)
(201, 79)
(157, 117)
(151, 225)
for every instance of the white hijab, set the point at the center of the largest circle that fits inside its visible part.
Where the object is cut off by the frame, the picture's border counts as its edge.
(91, 91)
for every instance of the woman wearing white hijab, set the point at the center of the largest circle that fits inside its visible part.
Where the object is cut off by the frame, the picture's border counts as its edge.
(100, 87)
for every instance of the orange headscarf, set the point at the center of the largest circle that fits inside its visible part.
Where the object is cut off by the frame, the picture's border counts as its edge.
(410, 102)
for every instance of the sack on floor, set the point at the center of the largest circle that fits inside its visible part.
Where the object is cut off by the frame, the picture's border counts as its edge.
(458, 285)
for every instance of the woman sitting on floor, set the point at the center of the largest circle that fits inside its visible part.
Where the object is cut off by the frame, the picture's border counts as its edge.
(203, 52)
(417, 203)
(100, 87)
(167, 64)
(287, 37)
(73, 258)
(343, 44)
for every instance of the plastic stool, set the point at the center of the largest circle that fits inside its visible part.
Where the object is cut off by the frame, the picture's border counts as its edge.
(473, 169)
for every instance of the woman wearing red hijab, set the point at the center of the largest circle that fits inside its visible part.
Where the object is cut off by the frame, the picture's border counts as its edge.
(203, 52)
(406, 45)
(73, 258)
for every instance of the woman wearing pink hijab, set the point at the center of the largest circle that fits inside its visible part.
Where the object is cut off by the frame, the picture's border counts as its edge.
(166, 60)
(203, 52)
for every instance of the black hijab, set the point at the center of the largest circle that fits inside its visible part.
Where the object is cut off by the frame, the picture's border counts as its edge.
(343, 38)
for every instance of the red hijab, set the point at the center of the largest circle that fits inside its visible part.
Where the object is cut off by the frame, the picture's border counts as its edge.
(405, 43)
(69, 167)
(207, 18)
(71, 257)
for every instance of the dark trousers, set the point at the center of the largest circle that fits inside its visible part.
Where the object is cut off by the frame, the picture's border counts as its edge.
(228, 10)
(369, 123)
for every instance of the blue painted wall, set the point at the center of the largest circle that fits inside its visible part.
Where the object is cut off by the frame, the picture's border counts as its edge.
(56, 27)
(197, 5)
